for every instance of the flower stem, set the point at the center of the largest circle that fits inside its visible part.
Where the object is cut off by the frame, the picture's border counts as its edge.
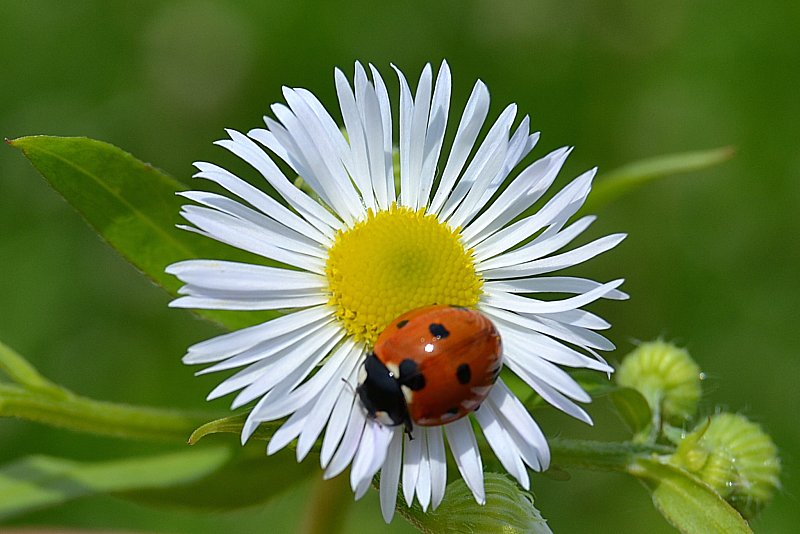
(35, 398)
(73, 412)
(601, 455)
(328, 507)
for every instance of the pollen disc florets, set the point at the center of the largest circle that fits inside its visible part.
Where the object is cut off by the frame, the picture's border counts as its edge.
(392, 262)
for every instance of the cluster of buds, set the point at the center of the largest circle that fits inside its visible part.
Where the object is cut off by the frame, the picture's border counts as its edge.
(730, 453)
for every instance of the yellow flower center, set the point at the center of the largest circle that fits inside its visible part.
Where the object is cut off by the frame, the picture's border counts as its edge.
(392, 262)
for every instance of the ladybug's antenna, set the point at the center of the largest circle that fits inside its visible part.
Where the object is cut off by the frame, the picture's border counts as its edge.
(349, 386)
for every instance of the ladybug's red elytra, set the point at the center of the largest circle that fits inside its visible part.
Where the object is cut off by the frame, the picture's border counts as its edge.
(430, 366)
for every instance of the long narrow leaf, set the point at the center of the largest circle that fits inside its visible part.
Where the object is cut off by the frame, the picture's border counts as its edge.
(39, 481)
(132, 205)
(608, 187)
(687, 503)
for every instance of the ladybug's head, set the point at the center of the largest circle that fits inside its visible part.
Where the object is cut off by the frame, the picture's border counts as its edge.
(380, 393)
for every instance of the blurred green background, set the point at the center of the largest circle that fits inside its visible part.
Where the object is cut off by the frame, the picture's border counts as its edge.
(711, 261)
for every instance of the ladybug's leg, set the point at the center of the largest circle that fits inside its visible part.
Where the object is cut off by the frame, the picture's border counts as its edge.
(408, 427)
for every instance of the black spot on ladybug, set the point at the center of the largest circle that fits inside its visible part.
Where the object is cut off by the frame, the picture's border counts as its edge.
(463, 373)
(438, 330)
(410, 375)
(402, 323)
(453, 410)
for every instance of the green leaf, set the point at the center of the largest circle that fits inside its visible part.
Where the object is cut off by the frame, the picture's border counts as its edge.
(627, 178)
(39, 481)
(508, 509)
(687, 503)
(633, 408)
(250, 478)
(133, 206)
(233, 425)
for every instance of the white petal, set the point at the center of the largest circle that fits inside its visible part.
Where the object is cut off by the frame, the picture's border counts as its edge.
(438, 463)
(467, 455)
(521, 427)
(260, 200)
(406, 114)
(390, 476)
(551, 284)
(520, 194)
(509, 301)
(556, 212)
(531, 325)
(502, 445)
(541, 246)
(468, 128)
(328, 160)
(250, 237)
(541, 345)
(370, 455)
(359, 168)
(555, 398)
(221, 347)
(580, 318)
(271, 350)
(290, 430)
(373, 127)
(528, 366)
(233, 276)
(323, 406)
(287, 399)
(424, 478)
(298, 362)
(349, 445)
(279, 303)
(412, 455)
(337, 422)
(419, 131)
(518, 143)
(323, 170)
(485, 165)
(252, 154)
(332, 129)
(557, 262)
(437, 123)
(386, 117)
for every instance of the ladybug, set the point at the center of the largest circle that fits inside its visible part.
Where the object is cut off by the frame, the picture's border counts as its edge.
(430, 366)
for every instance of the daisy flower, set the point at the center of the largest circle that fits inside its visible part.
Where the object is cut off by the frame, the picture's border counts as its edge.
(357, 248)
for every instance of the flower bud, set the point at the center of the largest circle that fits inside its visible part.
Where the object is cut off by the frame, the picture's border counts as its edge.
(667, 377)
(735, 457)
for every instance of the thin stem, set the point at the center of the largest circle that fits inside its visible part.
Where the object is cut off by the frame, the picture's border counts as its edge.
(22, 372)
(35, 398)
(601, 455)
(82, 414)
(328, 507)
